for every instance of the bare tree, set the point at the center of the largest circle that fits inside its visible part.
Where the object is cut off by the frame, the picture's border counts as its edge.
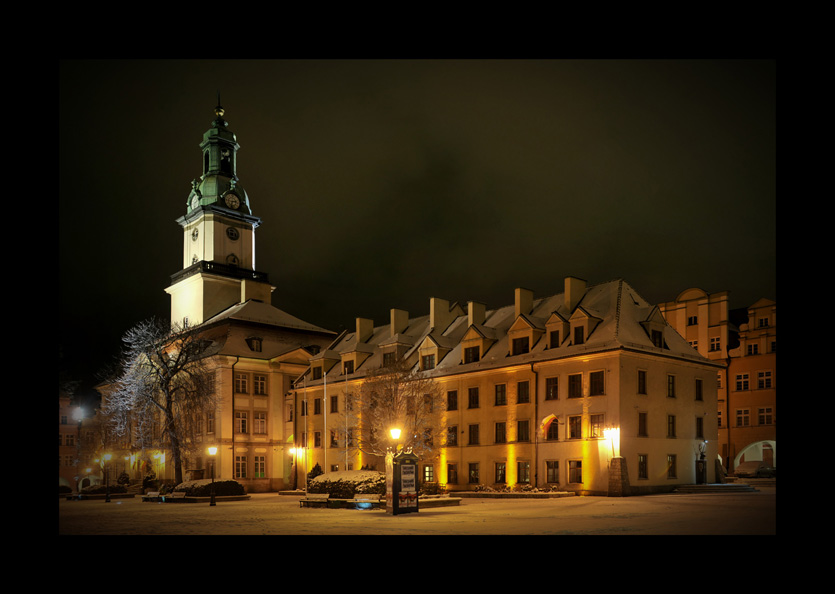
(397, 396)
(163, 388)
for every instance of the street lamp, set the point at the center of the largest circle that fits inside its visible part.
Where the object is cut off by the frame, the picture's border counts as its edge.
(212, 452)
(106, 459)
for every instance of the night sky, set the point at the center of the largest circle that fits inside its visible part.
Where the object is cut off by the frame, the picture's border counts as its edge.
(382, 183)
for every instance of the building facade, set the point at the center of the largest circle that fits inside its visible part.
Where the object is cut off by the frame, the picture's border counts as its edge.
(256, 349)
(542, 393)
(744, 342)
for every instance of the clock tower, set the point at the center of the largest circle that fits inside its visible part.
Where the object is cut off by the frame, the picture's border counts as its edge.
(218, 236)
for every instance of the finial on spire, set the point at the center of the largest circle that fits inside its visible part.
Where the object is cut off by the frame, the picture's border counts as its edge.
(218, 109)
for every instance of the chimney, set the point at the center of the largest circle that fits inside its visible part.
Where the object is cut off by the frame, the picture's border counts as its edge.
(475, 313)
(365, 328)
(575, 288)
(439, 314)
(399, 321)
(524, 301)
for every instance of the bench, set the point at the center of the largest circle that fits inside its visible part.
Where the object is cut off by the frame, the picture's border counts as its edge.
(151, 496)
(176, 495)
(367, 501)
(314, 498)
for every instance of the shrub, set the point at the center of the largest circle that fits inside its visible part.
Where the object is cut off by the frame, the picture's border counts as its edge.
(101, 489)
(346, 484)
(62, 489)
(123, 479)
(203, 488)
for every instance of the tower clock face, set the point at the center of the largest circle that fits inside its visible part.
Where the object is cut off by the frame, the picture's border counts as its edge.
(232, 201)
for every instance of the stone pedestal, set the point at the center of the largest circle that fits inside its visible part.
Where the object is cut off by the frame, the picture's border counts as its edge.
(618, 478)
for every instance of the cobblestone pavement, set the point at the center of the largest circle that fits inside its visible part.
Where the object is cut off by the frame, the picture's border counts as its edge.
(269, 513)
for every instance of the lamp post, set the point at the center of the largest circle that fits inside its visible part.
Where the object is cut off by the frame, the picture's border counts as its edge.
(106, 459)
(212, 452)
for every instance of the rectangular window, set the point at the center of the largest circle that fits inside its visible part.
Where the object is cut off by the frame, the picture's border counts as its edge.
(334, 404)
(473, 434)
(452, 400)
(334, 443)
(241, 383)
(428, 362)
(575, 427)
(554, 339)
(210, 422)
(551, 388)
(472, 397)
(642, 381)
(575, 385)
(553, 430)
(671, 425)
(765, 416)
(348, 367)
(579, 335)
(657, 339)
(241, 422)
(715, 344)
(259, 384)
(240, 467)
(501, 433)
(575, 471)
(472, 473)
(452, 435)
(501, 472)
(763, 380)
(521, 345)
(501, 395)
(700, 428)
(429, 473)
(743, 417)
(388, 359)
(643, 466)
(752, 349)
(596, 383)
(671, 386)
(259, 422)
(642, 424)
(523, 392)
(452, 474)
(260, 467)
(317, 373)
(699, 393)
(471, 354)
(741, 381)
(317, 439)
(552, 471)
(523, 471)
(523, 430)
(672, 471)
(692, 320)
(317, 406)
(596, 425)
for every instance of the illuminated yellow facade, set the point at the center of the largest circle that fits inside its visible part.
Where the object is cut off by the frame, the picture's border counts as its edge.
(541, 393)
(744, 341)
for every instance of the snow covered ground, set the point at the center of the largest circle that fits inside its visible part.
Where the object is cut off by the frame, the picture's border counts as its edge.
(273, 514)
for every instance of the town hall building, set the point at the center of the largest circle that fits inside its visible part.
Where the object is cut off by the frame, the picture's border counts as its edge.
(545, 392)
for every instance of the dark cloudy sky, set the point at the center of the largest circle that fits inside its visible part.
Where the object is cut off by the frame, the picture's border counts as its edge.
(382, 183)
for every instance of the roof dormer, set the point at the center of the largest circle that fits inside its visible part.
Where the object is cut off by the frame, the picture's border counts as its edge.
(654, 326)
(582, 324)
(432, 351)
(556, 329)
(476, 342)
(523, 334)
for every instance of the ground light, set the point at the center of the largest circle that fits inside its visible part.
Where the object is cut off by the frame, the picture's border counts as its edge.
(105, 460)
(212, 452)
